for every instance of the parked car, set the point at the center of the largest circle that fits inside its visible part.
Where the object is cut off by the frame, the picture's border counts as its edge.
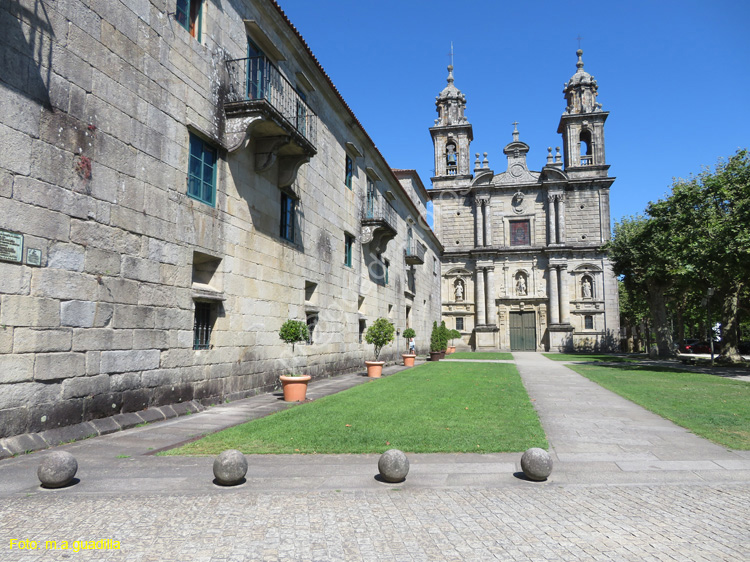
(702, 347)
(685, 347)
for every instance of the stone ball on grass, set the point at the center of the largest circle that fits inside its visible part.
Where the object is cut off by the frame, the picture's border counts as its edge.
(536, 464)
(393, 465)
(230, 467)
(57, 469)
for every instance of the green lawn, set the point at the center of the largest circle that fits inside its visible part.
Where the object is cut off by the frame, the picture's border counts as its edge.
(436, 407)
(481, 356)
(590, 357)
(710, 406)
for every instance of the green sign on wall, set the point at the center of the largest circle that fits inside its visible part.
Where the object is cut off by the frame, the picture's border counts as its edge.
(11, 246)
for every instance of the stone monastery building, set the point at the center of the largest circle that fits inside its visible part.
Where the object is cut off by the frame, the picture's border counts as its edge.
(178, 178)
(523, 267)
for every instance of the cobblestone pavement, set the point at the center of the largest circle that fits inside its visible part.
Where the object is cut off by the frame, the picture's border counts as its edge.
(534, 523)
(627, 486)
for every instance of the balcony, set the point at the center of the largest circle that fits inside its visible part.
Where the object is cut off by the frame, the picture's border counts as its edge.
(262, 105)
(414, 253)
(379, 222)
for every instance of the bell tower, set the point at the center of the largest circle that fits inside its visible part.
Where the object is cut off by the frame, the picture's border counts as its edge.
(582, 126)
(451, 137)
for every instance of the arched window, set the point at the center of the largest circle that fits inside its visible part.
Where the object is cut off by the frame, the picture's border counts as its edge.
(451, 158)
(587, 158)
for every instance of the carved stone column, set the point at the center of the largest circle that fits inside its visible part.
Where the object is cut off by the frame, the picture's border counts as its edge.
(478, 221)
(487, 223)
(554, 300)
(561, 218)
(480, 298)
(490, 290)
(506, 278)
(564, 295)
(552, 219)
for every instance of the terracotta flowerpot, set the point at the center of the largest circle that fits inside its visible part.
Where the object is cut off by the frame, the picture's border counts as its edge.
(374, 369)
(408, 359)
(435, 355)
(295, 388)
(451, 349)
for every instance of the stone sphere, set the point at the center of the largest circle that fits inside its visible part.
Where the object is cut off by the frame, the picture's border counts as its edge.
(393, 465)
(230, 467)
(57, 469)
(536, 464)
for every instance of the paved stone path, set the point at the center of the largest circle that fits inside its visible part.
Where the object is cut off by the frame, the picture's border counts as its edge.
(627, 485)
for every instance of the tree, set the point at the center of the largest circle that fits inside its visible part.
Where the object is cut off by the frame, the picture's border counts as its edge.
(293, 331)
(710, 217)
(435, 339)
(379, 335)
(641, 251)
(696, 239)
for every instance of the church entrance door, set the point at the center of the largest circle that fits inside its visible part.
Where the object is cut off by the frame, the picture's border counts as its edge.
(522, 331)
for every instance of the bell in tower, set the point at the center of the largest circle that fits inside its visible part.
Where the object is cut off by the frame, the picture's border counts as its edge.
(451, 137)
(582, 126)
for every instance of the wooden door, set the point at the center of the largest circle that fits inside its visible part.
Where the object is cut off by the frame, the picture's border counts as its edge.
(523, 331)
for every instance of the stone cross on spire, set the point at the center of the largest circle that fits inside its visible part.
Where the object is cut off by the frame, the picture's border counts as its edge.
(515, 130)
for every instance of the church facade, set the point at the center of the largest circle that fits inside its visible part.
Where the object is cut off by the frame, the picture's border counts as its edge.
(524, 267)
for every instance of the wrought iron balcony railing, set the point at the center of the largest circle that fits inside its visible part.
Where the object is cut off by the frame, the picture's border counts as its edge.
(414, 253)
(256, 79)
(379, 210)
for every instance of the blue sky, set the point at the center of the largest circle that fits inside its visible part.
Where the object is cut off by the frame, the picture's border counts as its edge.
(675, 77)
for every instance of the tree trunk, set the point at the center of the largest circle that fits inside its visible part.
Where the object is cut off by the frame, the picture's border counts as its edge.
(730, 312)
(657, 303)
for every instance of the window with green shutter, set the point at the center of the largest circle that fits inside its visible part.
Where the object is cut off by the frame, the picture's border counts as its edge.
(202, 171)
(288, 206)
(348, 244)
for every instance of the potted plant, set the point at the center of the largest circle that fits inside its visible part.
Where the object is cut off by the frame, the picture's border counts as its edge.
(435, 343)
(452, 335)
(444, 335)
(294, 385)
(379, 335)
(409, 356)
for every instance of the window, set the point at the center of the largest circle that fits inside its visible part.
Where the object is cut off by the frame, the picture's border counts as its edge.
(203, 325)
(362, 328)
(348, 244)
(588, 322)
(451, 157)
(585, 148)
(348, 171)
(312, 322)
(520, 233)
(188, 14)
(459, 323)
(288, 207)
(434, 266)
(371, 195)
(256, 72)
(386, 267)
(202, 171)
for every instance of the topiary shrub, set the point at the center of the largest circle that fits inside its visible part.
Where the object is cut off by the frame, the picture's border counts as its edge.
(380, 334)
(435, 339)
(443, 336)
(453, 334)
(293, 331)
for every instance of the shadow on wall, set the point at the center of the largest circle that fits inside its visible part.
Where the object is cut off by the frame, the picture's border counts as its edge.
(602, 342)
(27, 57)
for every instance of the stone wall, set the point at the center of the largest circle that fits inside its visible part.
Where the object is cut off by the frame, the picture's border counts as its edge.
(96, 115)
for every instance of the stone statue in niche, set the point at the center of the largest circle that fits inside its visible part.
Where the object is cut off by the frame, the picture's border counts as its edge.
(459, 290)
(586, 288)
(520, 284)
